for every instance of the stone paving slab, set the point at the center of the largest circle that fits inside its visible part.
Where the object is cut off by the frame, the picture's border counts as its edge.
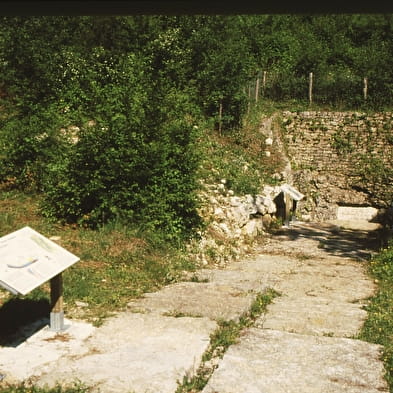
(321, 297)
(220, 302)
(138, 353)
(314, 316)
(271, 361)
(266, 264)
(333, 280)
(333, 277)
(226, 295)
(325, 240)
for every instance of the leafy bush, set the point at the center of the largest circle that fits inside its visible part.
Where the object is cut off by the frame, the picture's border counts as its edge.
(28, 143)
(104, 134)
(136, 163)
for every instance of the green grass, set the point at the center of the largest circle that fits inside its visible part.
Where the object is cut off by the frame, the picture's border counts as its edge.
(117, 264)
(227, 334)
(378, 328)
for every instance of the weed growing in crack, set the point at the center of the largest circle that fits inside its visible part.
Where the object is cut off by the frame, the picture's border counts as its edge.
(227, 334)
(77, 387)
(197, 279)
(180, 314)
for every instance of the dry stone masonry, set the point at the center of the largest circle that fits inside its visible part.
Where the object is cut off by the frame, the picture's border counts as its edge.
(234, 221)
(325, 148)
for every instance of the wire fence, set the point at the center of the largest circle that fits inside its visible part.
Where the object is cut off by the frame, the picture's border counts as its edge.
(332, 89)
(341, 90)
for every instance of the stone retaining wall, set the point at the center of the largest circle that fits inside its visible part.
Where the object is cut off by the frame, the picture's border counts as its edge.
(325, 148)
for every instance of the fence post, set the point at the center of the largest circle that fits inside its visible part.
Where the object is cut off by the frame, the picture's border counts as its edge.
(310, 88)
(220, 117)
(249, 98)
(264, 83)
(365, 89)
(257, 89)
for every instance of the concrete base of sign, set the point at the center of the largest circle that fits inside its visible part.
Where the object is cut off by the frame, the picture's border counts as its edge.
(57, 322)
(35, 355)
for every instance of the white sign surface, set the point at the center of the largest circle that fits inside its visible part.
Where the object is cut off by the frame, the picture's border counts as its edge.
(28, 259)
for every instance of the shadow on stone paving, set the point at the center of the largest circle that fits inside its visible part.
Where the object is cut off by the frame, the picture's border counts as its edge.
(21, 318)
(352, 243)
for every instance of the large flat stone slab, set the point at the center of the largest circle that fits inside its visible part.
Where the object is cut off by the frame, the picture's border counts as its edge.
(270, 361)
(324, 240)
(338, 279)
(323, 297)
(211, 300)
(139, 353)
(226, 294)
(252, 274)
(315, 316)
(266, 264)
(355, 214)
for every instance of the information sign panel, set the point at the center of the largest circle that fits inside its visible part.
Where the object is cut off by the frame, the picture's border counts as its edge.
(28, 259)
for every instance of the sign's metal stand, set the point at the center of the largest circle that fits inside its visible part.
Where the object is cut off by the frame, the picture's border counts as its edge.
(56, 297)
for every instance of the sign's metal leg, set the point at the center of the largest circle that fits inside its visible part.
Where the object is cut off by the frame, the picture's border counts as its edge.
(56, 321)
(56, 296)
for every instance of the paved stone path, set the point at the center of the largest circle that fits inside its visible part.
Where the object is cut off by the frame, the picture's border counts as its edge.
(305, 342)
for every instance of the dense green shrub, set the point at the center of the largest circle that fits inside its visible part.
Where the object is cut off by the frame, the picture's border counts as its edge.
(28, 143)
(114, 139)
(136, 162)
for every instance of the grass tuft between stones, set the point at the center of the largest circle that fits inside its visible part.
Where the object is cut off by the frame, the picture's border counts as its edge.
(24, 387)
(227, 334)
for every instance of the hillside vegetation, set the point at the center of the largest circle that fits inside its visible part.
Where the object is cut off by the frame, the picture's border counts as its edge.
(106, 117)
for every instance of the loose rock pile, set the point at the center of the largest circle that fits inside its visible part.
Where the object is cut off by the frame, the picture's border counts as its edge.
(234, 222)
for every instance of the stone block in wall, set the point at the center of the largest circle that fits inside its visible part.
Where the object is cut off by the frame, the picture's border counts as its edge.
(239, 215)
(267, 221)
(253, 227)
